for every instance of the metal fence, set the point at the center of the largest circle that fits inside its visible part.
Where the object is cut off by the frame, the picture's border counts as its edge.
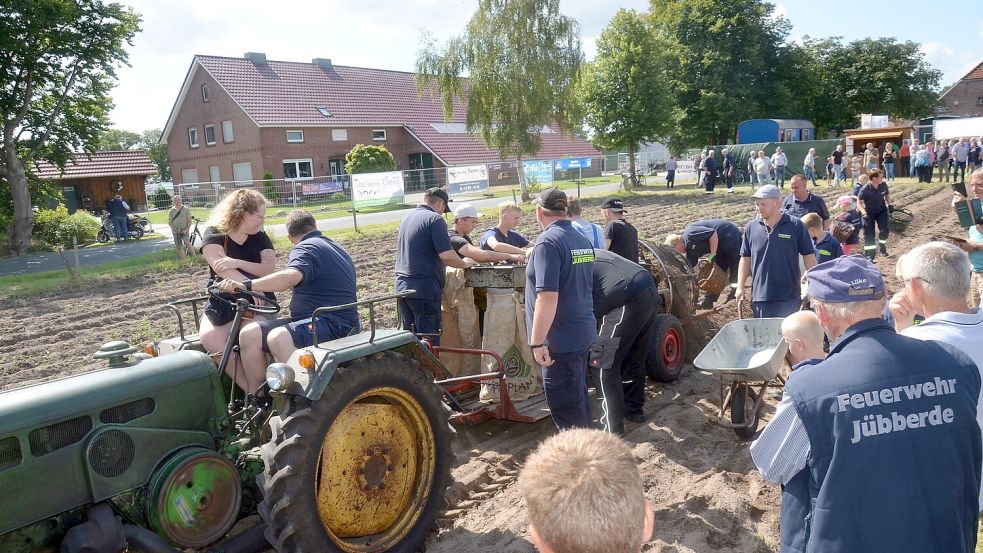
(335, 191)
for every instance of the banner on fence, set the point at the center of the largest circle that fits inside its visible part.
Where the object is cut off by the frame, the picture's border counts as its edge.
(372, 189)
(467, 179)
(540, 170)
(572, 163)
(329, 187)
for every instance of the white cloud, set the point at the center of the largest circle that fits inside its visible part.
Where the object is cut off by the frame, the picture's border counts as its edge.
(779, 11)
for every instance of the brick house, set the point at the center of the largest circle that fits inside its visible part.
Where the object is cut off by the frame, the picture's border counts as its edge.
(965, 98)
(236, 118)
(90, 181)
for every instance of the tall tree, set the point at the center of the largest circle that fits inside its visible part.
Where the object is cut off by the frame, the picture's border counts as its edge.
(157, 152)
(58, 61)
(118, 140)
(725, 56)
(522, 59)
(625, 97)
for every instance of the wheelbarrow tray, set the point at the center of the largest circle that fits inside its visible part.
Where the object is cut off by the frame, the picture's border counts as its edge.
(731, 350)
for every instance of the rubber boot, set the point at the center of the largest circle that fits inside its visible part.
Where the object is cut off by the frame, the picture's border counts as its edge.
(883, 249)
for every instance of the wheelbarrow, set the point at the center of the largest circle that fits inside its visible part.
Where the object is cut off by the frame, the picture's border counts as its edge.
(747, 354)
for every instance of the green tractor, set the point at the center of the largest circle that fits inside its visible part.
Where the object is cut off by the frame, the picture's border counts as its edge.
(158, 454)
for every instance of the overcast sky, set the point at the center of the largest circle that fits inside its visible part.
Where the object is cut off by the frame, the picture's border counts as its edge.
(386, 35)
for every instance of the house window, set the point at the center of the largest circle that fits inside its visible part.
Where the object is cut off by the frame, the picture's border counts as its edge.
(209, 135)
(298, 168)
(324, 111)
(227, 135)
(213, 174)
(242, 172)
(189, 176)
(378, 134)
(295, 136)
(204, 93)
(339, 135)
(193, 137)
(979, 101)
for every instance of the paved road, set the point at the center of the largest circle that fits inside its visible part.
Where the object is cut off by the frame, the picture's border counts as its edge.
(161, 240)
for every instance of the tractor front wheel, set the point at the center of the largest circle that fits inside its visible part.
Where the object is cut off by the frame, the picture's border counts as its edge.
(364, 468)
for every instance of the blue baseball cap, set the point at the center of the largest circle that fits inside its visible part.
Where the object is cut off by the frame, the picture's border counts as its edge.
(845, 279)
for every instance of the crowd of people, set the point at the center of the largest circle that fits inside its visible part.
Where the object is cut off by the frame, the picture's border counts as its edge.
(888, 388)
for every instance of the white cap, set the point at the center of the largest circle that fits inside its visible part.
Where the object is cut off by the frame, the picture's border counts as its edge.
(466, 210)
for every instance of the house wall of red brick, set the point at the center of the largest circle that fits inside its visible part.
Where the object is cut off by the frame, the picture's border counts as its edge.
(964, 99)
(194, 112)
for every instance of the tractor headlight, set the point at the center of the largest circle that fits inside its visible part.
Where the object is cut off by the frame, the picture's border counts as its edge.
(279, 376)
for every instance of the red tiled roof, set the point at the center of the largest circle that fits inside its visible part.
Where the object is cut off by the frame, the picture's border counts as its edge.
(976, 73)
(288, 94)
(100, 164)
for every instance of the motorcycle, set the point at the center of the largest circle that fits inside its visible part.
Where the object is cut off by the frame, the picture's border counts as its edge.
(143, 222)
(134, 229)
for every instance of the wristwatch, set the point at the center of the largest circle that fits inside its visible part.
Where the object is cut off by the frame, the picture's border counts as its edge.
(248, 283)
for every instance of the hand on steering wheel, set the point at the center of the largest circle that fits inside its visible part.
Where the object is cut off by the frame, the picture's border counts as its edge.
(273, 307)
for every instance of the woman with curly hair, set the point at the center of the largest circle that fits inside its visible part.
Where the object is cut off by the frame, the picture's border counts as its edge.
(235, 247)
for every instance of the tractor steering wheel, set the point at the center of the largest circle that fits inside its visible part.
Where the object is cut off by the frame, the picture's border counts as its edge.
(271, 308)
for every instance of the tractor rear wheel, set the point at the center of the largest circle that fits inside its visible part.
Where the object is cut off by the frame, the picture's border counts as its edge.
(364, 468)
(667, 349)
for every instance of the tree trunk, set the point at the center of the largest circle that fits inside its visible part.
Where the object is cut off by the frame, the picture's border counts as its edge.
(523, 190)
(632, 175)
(20, 229)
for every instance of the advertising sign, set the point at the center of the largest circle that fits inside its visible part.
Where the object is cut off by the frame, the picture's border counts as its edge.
(372, 189)
(540, 170)
(326, 187)
(467, 180)
(572, 163)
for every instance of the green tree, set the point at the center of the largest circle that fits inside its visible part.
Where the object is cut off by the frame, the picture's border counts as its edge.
(369, 159)
(118, 140)
(726, 63)
(625, 97)
(157, 152)
(522, 59)
(58, 61)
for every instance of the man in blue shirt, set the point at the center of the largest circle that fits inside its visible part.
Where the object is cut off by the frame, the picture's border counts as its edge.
(720, 240)
(560, 310)
(770, 253)
(801, 201)
(502, 237)
(320, 273)
(884, 429)
(118, 209)
(727, 170)
(423, 248)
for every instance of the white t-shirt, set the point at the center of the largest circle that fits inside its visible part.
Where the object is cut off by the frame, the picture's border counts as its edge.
(810, 160)
(961, 330)
(762, 166)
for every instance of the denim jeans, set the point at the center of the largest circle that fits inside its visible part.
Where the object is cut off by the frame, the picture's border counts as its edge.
(809, 173)
(837, 173)
(119, 226)
(780, 175)
(420, 316)
(889, 171)
(957, 167)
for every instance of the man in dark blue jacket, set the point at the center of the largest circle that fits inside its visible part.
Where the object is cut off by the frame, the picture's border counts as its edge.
(885, 428)
(717, 238)
(117, 209)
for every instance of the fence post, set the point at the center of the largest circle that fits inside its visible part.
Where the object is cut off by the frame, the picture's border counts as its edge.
(75, 247)
(513, 197)
(293, 192)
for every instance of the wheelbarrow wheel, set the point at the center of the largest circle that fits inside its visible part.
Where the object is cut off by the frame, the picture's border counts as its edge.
(742, 409)
(667, 349)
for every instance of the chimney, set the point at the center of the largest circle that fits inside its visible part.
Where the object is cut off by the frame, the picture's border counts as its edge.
(323, 63)
(259, 58)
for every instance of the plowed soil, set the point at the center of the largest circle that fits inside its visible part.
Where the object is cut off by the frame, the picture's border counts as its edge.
(707, 495)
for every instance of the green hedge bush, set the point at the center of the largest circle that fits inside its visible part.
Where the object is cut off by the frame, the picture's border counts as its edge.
(56, 227)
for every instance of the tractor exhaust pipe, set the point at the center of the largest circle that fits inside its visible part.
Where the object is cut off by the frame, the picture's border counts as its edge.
(145, 541)
(250, 541)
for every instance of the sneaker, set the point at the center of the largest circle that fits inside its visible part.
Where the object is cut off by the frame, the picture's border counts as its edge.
(704, 303)
(730, 190)
(636, 418)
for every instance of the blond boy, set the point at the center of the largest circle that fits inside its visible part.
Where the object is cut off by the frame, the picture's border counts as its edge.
(805, 338)
(584, 495)
(827, 247)
(503, 237)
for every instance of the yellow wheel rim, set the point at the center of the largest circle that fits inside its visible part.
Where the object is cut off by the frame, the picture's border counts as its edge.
(378, 465)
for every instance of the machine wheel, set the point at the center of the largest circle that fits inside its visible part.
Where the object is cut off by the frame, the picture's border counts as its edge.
(741, 407)
(363, 469)
(667, 349)
(139, 233)
(102, 236)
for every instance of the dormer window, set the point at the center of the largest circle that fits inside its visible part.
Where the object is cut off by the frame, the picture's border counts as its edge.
(324, 111)
(204, 93)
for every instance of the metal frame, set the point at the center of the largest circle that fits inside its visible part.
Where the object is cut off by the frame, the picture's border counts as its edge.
(505, 409)
(174, 305)
(725, 400)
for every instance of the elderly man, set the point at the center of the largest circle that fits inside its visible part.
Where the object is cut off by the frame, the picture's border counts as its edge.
(422, 250)
(801, 201)
(465, 220)
(779, 160)
(773, 242)
(720, 240)
(709, 172)
(837, 165)
(874, 203)
(762, 166)
(179, 219)
(885, 430)
(871, 157)
(319, 273)
(974, 246)
(727, 169)
(960, 156)
(118, 210)
(560, 310)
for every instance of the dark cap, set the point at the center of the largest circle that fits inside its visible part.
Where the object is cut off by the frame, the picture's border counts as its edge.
(845, 279)
(553, 199)
(439, 193)
(614, 204)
